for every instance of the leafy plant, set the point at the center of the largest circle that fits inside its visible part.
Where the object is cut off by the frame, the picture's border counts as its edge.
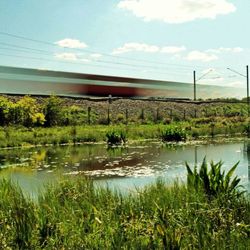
(213, 182)
(116, 137)
(53, 111)
(173, 134)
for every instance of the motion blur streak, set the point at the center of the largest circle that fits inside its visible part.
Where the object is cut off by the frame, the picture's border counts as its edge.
(45, 82)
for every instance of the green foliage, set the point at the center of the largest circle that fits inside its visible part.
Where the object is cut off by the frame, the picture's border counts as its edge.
(73, 115)
(115, 137)
(38, 119)
(53, 111)
(28, 113)
(17, 216)
(4, 110)
(120, 118)
(173, 133)
(213, 182)
(25, 112)
(247, 128)
(76, 214)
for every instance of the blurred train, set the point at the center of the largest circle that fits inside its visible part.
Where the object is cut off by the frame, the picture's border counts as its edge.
(45, 82)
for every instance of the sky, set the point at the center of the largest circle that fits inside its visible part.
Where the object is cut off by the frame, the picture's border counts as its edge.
(155, 39)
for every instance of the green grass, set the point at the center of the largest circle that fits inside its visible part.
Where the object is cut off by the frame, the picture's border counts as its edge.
(173, 133)
(20, 126)
(74, 214)
(16, 136)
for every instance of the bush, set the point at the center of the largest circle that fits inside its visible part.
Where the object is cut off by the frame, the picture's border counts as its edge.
(167, 120)
(120, 118)
(204, 120)
(5, 105)
(174, 134)
(53, 111)
(115, 138)
(214, 182)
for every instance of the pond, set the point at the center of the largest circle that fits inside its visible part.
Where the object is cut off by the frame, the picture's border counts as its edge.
(123, 168)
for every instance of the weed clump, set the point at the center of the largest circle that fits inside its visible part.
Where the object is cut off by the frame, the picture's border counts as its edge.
(214, 182)
(116, 138)
(77, 214)
(173, 134)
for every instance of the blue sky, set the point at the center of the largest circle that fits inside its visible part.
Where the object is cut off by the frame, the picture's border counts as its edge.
(159, 39)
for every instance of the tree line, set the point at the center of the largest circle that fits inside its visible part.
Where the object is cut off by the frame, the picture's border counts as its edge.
(28, 112)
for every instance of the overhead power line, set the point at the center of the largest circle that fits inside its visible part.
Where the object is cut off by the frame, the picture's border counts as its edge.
(24, 49)
(46, 53)
(94, 52)
(81, 63)
(161, 68)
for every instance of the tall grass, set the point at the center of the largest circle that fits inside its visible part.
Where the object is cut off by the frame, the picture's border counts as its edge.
(17, 136)
(75, 214)
(214, 182)
(173, 133)
(116, 137)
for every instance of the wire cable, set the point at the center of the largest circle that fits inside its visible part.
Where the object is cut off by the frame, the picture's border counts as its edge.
(76, 63)
(44, 52)
(92, 51)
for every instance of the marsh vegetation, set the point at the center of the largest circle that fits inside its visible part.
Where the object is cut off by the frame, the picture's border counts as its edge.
(54, 121)
(75, 214)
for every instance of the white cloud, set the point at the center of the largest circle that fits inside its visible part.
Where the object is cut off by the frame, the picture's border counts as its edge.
(196, 55)
(177, 11)
(222, 49)
(127, 47)
(172, 49)
(66, 56)
(71, 43)
(236, 84)
(84, 60)
(234, 50)
(143, 47)
(96, 55)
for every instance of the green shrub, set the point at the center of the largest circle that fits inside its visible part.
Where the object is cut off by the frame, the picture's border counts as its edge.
(114, 138)
(195, 134)
(213, 182)
(173, 134)
(246, 129)
(103, 121)
(204, 120)
(120, 118)
(75, 213)
(53, 111)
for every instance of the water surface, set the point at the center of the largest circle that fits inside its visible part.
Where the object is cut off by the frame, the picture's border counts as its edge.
(122, 168)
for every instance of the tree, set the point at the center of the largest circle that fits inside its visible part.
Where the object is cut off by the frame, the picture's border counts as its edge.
(53, 111)
(26, 111)
(5, 106)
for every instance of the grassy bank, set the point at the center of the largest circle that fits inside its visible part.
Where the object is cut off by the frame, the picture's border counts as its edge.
(13, 136)
(76, 215)
(26, 120)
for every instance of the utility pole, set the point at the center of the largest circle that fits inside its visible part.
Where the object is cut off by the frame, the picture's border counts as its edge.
(248, 103)
(247, 77)
(196, 80)
(194, 85)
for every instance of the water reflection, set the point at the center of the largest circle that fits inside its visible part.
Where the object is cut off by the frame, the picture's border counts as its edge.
(195, 155)
(247, 152)
(123, 167)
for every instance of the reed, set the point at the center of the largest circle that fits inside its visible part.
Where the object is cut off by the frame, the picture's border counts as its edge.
(77, 214)
(17, 136)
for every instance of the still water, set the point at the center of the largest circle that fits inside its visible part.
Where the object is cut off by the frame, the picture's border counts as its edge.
(121, 168)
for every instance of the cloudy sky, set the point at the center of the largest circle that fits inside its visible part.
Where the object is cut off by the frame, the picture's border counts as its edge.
(158, 39)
